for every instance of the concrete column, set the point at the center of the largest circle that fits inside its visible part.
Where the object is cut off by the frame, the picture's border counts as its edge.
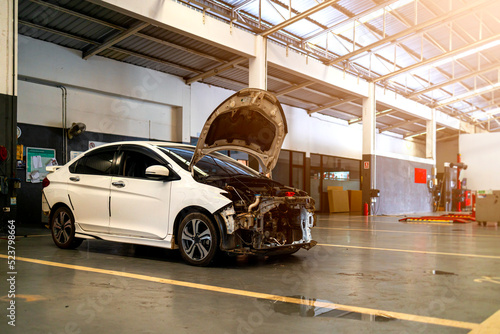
(369, 131)
(186, 115)
(8, 104)
(258, 65)
(430, 140)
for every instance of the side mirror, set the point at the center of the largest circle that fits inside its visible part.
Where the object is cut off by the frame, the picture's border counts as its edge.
(157, 172)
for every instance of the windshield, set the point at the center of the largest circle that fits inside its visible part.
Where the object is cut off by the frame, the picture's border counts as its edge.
(213, 164)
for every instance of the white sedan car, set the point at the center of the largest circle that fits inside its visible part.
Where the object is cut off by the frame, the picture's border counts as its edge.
(191, 198)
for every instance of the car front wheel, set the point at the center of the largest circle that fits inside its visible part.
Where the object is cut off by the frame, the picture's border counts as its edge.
(198, 239)
(63, 229)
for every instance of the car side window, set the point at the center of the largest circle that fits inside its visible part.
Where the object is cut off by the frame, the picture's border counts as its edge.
(134, 164)
(99, 163)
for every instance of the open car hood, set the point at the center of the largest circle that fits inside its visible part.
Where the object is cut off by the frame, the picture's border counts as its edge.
(252, 120)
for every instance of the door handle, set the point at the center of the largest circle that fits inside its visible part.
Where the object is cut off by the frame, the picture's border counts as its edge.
(74, 178)
(118, 184)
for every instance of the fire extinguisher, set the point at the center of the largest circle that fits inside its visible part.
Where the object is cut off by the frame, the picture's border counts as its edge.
(3, 153)
(365, 209)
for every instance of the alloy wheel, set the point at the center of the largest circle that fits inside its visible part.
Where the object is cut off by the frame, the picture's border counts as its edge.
(62, 227)
(196, 239)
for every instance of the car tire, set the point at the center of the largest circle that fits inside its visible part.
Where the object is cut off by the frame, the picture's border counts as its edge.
(198, 239)
(62, 226)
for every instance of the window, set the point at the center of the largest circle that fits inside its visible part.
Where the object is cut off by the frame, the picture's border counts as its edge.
(290, 169)
(213, 164)
(96, 163)
(134, 164)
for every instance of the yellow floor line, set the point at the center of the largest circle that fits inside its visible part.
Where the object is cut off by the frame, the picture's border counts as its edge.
(466, 234)
(237, 292)
(489, 326)
(413, 251)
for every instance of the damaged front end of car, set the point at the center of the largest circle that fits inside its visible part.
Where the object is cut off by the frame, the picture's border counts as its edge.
(277, 223)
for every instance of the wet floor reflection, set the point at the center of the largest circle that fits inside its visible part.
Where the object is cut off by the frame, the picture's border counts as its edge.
(310, 309)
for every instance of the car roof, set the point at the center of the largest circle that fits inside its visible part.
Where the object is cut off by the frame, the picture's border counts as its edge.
(146, 143)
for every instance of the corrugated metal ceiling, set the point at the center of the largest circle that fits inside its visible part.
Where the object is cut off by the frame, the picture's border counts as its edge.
(80, 25)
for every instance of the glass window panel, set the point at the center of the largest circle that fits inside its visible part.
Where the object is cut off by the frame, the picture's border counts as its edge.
(281, 172)
(298, 177)
(298, 158)
(315, 160)
(97, 164)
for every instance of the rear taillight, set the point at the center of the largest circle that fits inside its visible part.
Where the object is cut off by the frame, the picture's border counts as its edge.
(45, 182)
(290, 194)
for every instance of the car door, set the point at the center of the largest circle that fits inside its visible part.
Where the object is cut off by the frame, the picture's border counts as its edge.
(89, 189)
(139, 205)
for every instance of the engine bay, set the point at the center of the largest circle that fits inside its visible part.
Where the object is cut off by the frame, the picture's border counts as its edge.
(265, 214)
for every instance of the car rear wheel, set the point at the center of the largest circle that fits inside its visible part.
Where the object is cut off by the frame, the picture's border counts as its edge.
(63, 229)
(198, 239)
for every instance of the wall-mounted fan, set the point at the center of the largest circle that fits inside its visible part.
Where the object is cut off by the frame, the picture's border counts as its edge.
(76, 129)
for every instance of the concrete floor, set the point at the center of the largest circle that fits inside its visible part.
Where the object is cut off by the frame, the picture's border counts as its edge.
(447, 275)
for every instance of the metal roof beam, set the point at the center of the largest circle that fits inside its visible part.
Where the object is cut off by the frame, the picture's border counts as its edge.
(350, 19)
(447, 137)
(242, 4)
(377, 114)
(418, 28)
(400, 124)
(485, 121)
(332, 104)
(215, 71)
(136, 27)
(294, 88)
(433, 41)
(57, 32)
(450, 82)
(467, 96)
(120, 28)
(113, 48)
(299, 17)
(437, 58)
(77, 14)
(291, 83)
(419, 133)
(153, 59)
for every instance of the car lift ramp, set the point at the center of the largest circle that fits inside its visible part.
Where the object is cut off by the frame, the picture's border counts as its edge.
(449, 218)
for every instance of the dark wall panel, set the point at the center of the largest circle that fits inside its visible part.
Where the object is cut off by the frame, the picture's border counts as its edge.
(398, 191)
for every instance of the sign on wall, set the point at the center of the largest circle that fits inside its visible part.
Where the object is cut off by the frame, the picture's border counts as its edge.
(37, 160)
(93, 144)
(420, 175)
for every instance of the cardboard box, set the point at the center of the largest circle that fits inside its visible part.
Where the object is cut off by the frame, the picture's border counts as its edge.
(330, 196)
(338, 200)
(355, 200)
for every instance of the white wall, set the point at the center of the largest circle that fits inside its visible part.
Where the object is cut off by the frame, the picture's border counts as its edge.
(204, 99)
(481, 153)
(387, 144)
(319, 134)
(118, 98)
(108, 96)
